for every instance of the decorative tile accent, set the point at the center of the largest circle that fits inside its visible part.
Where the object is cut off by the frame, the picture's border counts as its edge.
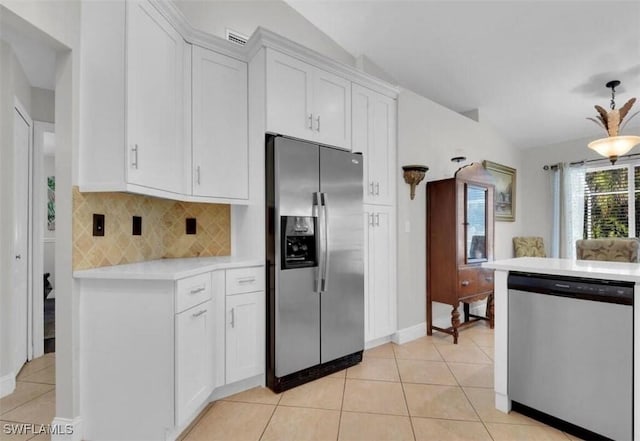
(163, 229)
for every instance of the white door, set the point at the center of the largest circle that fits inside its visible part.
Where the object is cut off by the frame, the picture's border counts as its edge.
(360, 133)
(20, 251)
(332, 109)
(155, 106)
(289, 90)
(220, 144)
(195, 343)
(244, 336)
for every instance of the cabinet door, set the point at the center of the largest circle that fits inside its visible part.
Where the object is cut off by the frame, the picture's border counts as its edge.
(332, 109)
(381, 266)
(155, 100)
(289, 89)
(244, 336)
(374, 135)
(195, 340)
(220, 144)
(382, 149)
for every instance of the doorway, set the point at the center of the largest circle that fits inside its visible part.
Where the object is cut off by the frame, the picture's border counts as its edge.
(22, 146)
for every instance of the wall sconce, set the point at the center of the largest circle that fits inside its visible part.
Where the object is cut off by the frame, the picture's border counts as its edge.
(413, 175)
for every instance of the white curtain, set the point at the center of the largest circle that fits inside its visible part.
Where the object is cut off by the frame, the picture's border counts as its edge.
(568, 210)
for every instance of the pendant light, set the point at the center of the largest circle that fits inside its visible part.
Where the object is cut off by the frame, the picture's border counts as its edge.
(614, 145)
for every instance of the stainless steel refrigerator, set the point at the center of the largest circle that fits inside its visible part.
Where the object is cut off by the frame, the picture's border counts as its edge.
(315, 261)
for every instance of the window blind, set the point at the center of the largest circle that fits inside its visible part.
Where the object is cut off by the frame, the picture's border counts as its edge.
(606, 201)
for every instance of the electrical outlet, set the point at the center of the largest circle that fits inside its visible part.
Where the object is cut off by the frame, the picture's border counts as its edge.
(98, 224)
(136, 226)
(191, 225)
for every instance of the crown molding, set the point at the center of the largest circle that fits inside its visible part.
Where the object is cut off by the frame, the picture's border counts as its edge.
(264, 38)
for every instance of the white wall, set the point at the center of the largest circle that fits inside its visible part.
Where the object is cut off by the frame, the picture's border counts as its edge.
(536, 184)
(430, 134)
(58, 25)
(215, 17)
(13, 83)
(43, 105)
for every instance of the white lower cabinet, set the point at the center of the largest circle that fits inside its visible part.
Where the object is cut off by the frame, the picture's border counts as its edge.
(380, 272)
(195, 344)
(244, 336)
(153, 352)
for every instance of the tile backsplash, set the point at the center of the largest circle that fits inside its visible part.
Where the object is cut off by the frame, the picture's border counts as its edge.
(163, 229)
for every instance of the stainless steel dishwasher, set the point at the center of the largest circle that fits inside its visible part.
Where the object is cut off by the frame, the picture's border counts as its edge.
(571, 350)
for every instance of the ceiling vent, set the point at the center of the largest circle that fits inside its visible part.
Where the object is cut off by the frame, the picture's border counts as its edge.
(237, 37)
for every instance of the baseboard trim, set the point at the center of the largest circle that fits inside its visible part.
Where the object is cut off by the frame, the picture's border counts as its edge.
(240, 386)
(411, 333)
(66, 429)
(7, 384)
(377, 342)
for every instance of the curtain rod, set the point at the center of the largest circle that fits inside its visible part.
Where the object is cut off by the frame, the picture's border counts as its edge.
(574, 163)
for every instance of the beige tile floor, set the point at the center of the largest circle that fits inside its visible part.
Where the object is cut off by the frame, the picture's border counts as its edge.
(33, 401)
(427, 389)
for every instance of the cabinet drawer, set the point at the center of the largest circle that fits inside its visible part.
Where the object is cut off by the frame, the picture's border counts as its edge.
(192, 291)
(242, 280)
(485, 280)
(467, 281)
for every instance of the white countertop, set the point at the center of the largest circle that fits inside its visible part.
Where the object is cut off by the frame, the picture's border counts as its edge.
(167, 269)
(568, 267)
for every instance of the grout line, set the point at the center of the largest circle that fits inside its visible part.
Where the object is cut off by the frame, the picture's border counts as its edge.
(268, 422)
(344, 391)
(6, 411)
(404, 395)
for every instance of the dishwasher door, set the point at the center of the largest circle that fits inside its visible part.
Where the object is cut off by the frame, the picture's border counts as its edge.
(572, 358)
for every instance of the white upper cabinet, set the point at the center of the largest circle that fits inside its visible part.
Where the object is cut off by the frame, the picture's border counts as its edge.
(374, 135)
(220, 144)
(306, 102)
(155, 100)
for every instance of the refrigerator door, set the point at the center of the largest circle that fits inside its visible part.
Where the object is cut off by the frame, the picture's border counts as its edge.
(342, 299)
(297, 304)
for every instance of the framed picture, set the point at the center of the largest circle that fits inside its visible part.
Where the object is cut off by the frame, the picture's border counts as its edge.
(505, 194)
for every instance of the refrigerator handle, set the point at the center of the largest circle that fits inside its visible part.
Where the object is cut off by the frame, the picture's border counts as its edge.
(318, 214)
(325, 222)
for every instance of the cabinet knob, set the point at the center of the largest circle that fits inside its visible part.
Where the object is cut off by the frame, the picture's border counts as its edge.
(464, 283)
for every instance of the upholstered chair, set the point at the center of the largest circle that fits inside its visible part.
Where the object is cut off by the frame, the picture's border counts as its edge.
(613, 249)
(528, 247)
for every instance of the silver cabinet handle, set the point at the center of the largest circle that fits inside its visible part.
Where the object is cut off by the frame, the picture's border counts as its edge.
(371, 187)
(377, 188)
(246, 279)
(134, 156)
(318, 123)
(197, 290)
(199, 313)
(310, 118)
(198, 175)
(370, 216)
(233, 317)
(464, 283)
(377, 219)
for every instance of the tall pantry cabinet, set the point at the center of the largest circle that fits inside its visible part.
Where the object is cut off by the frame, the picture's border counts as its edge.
(374, 135)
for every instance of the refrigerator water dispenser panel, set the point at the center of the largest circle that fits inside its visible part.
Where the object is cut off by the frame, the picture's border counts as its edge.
(299, 242)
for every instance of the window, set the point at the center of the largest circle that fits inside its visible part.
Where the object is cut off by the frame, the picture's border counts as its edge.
(612, 201)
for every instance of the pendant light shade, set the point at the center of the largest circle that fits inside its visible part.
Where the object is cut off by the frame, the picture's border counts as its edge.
(613, 147)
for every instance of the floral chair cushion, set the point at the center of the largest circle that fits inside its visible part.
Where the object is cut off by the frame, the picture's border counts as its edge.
(528, 247)
(618, 249)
